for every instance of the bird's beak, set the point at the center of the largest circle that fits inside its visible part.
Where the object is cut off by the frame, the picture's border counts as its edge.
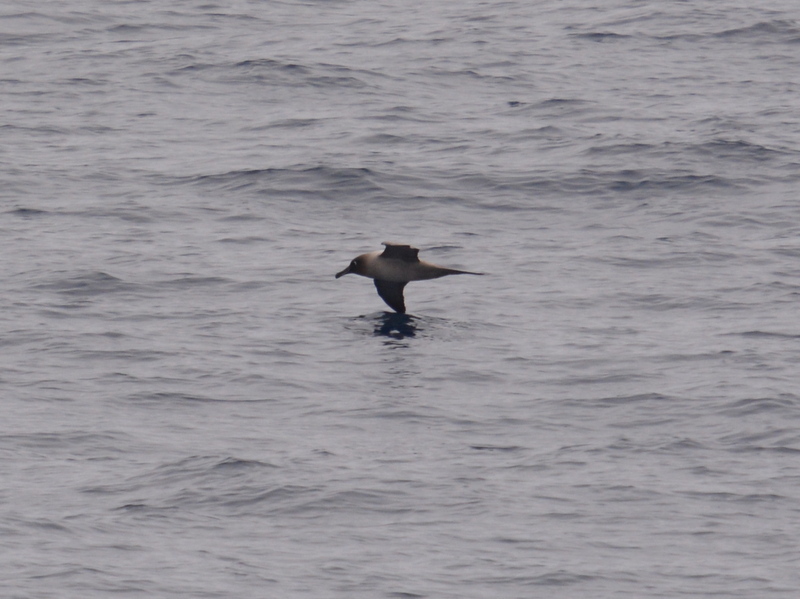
(343, 273)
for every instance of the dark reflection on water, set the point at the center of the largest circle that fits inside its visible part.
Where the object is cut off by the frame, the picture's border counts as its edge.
(396, 326)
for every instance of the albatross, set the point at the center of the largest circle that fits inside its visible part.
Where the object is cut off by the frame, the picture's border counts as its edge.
(393, 268)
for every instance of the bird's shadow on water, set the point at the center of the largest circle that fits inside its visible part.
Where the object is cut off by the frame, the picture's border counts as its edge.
(395, 326)
(392, 327)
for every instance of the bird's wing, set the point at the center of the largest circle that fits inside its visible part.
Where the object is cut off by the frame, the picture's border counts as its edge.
(392, 294)
(400, 252)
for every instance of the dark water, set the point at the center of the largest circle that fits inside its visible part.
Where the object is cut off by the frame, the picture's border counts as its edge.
(194, 407)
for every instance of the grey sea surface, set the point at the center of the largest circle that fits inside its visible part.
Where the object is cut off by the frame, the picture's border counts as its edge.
(194, 407)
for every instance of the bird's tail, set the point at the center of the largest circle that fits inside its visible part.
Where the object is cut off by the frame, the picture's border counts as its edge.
(453, 271)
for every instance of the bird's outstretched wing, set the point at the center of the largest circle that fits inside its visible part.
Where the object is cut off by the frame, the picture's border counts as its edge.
(400, 252)
(392, 294)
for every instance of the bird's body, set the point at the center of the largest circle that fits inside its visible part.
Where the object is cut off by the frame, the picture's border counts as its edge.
(395, 267)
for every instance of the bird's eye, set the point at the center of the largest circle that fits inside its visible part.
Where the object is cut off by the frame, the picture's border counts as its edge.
(354, 263)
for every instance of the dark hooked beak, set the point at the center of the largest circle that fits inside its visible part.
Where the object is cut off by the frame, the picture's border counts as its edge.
(343, 273)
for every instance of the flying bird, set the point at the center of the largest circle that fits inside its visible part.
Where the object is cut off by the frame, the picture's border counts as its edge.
(395, 267)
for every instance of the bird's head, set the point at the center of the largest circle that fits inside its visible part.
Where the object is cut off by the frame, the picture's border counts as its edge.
(355, 267)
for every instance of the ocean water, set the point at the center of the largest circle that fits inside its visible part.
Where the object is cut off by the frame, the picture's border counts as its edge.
(194, 407)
